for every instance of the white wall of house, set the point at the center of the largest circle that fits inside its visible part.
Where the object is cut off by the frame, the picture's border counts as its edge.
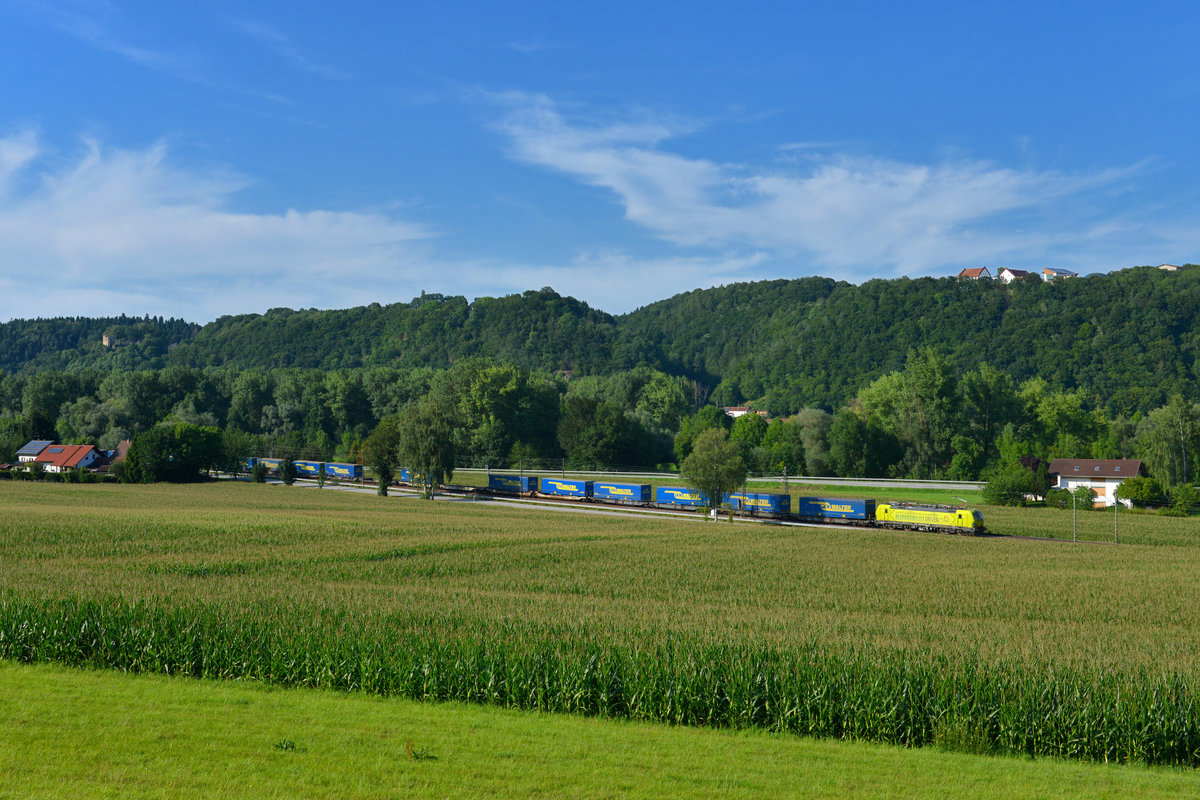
(1105, 488)
(85, 462)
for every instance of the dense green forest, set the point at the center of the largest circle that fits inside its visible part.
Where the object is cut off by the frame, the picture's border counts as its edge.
(74, 343)
(1125, 338)
(923, 378)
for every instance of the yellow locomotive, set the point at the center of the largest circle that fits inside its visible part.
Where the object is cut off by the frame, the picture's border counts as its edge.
(920, 517)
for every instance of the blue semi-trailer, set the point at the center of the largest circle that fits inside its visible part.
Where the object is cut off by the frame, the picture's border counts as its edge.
(835, 508)
(517, 484)
(761, 502)
(626, 492)
(566, 488)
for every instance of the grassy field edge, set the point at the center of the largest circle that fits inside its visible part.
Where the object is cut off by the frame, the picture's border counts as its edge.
(67, 733)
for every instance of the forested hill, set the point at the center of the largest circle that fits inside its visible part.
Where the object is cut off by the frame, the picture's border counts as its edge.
(73, 343)
(537, 329)
(1126, 338)
(1130, 338)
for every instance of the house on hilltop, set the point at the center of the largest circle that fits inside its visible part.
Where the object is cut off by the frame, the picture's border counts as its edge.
(1008, 274)
(975, 273)
(1170, 267)
(1102, 475)
(1053, 273)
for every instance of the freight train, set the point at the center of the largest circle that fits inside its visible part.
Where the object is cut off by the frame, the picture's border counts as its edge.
(839, 510)
(311, 469)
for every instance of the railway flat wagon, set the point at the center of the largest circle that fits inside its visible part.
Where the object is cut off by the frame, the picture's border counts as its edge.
(837, 508)
(761, 502)
(622, 492)
(344, 471)
(567, 488)
(513, 484)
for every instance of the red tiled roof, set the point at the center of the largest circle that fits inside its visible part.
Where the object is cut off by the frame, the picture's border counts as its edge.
(64, 456)
(973, 272)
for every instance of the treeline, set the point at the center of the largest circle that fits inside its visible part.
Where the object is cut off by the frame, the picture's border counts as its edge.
(503, 412)
(927, 419)
(1125, 340)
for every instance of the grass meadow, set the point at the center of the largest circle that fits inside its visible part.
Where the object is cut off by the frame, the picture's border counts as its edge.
(986, 645)
(68, 733)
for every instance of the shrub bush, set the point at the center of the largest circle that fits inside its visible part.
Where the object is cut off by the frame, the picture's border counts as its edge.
(1143, 492)
(1058, 498)
(1085, 498)
(1010, 486)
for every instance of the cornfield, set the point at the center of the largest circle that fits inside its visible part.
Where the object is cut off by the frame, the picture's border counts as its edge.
(977, 645)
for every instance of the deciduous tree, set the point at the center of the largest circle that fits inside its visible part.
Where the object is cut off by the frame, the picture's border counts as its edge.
(715, 467)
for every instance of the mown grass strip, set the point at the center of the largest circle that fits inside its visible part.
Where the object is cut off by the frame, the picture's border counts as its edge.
(143, 736)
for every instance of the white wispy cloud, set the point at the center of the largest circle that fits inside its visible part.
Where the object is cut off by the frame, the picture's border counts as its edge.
(16, 152)
(102, 26)
(98, 24)
(112, 231)
(847, 214)
(283, 46)
(531, 47)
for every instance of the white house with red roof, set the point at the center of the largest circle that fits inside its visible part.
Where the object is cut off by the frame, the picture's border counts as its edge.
(63, 457)
(975, 273)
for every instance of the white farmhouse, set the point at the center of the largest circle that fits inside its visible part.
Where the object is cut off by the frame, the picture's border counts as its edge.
(1101, 475)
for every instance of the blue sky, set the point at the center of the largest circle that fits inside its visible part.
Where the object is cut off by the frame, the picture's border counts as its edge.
(195, 160)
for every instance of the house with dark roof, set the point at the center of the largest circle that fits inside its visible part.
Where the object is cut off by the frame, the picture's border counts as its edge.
(1055, 273)
(1101, 475)
(975, 273)
(33, 449)
(63, 457)
(1008, 274)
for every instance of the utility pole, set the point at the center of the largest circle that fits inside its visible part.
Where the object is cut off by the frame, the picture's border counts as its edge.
(1074, 519)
